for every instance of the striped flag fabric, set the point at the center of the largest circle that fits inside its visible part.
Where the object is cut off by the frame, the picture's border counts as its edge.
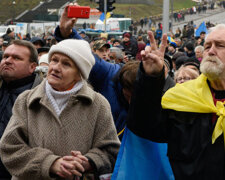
(141, 159)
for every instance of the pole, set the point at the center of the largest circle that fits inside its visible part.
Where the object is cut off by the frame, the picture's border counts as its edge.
(105, 11)
(166, 14)
(130, 9)
(14, 8)
(171, 14)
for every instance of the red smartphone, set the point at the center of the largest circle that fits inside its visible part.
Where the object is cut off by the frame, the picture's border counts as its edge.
(79, 12)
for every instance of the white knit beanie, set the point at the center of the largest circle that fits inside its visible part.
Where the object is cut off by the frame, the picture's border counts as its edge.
(79, 51)
(43, 59)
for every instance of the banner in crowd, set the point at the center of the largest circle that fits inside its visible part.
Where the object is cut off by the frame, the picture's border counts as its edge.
(36, 29)
(21, 28)
(202, 28)
(49, 28)
(112, 24)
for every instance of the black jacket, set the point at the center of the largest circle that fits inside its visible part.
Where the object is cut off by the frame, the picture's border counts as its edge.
(189, 135)
(130, 47)
(8, 94)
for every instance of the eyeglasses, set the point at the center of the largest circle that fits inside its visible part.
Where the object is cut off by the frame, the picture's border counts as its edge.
(179, 79)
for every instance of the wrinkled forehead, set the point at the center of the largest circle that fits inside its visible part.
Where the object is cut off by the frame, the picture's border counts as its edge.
(216, 35)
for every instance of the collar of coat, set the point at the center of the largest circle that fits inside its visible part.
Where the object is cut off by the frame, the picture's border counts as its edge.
(85, 94)
(38, 79)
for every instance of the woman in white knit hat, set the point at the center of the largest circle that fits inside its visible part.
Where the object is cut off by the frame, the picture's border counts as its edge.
(62, 129)
(43, 65)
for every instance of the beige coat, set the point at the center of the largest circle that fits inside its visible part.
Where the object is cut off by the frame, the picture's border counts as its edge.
(35, 137)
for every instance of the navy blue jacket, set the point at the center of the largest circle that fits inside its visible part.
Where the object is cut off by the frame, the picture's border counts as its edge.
(8, 94)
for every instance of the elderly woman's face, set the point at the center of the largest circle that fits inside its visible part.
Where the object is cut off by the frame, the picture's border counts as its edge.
(62, 73)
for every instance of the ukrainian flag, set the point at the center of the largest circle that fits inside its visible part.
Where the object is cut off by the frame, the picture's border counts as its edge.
(170, 39)
(141, 159)
(202, 28)
(102, 17)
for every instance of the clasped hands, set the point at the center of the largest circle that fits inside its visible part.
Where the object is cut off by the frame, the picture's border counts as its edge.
(69, 166)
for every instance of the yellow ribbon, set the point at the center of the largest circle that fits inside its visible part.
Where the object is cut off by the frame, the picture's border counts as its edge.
(121, 132)
(195, 96)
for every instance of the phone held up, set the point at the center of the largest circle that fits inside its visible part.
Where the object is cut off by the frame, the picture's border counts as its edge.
(79, 12)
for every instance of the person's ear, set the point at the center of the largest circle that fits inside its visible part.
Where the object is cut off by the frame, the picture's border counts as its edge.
(32, 67)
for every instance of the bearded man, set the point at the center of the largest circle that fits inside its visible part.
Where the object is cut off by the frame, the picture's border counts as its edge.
(191, 116)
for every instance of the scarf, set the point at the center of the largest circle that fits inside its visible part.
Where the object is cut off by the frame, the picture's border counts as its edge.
(195, 96)
(59, 99)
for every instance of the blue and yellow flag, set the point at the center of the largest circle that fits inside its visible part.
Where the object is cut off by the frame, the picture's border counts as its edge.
(202, 28)
(102, 17)
(170, 39)
(141, 159)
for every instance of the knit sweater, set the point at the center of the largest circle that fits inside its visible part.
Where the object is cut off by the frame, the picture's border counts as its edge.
(59, 99)
(35, 136)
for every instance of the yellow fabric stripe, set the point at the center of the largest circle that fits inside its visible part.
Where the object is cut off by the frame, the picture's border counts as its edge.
(121, 132)
(195, 96)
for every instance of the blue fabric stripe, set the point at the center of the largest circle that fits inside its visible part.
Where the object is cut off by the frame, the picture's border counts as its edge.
(140, 158)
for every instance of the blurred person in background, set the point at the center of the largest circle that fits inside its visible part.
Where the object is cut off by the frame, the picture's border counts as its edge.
(116, 42)
(189, 49)
(9, 36)
(84, 36)
(43, 50)
(104, 36)
(199, 52)
(5, 45)
(37, 42)
(43, 65)
(198, 42)
(172, 48)
(130, 45)
(202, 37)
(48, 40)
(1, 43)
(184, 74)
(116, 55)
(141, 46)
(174, 58)
(101, 49)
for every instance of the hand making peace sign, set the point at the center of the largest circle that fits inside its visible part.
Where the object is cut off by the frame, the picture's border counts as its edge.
(152, 56)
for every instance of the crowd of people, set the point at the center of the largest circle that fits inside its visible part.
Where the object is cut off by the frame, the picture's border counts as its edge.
(66, 99)
(178, 16)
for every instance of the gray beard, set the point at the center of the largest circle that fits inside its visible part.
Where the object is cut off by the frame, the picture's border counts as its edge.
(212, 70)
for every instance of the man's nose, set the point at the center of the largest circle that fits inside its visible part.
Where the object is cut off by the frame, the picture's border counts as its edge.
(212, 50)
(8, 60)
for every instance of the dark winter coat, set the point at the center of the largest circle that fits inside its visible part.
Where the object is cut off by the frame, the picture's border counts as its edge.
(8, 94)
(130, 47)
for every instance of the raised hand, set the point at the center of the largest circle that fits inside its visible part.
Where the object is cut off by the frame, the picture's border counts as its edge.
(153, 57)
(66, 24)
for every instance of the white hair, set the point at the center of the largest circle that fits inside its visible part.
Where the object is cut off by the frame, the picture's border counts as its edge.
(201, 48)
(118, 51)
(217, 27)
